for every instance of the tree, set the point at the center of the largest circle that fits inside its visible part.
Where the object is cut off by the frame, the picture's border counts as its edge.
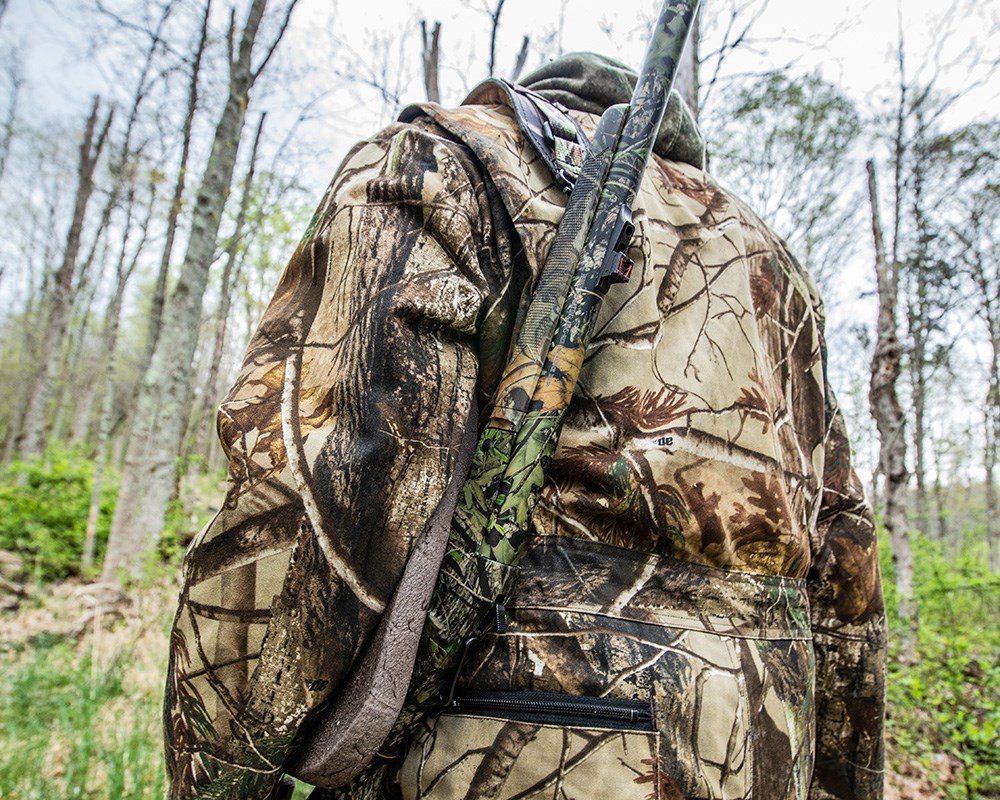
(149, 477)
(234, 252)
(888, 414)
(431, 57)
(177, 199)
(970, 154)
(124, 269)
(785, 144)
(59, 300)
(930, 297)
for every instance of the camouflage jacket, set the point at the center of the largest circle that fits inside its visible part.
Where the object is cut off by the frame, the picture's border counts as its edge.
(702, 431)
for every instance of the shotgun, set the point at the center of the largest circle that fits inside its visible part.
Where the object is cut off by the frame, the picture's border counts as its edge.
(491, 524)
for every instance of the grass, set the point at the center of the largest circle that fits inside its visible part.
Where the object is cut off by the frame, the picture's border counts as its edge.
(944, 710)
(82, 719)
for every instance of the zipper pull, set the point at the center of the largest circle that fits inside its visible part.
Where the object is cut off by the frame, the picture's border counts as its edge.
(501, 621)
(451, 702)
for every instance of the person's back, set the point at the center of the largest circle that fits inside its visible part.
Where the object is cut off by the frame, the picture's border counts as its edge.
(700, 506)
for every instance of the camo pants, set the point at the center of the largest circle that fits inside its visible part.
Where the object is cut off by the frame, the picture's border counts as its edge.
(627, 676)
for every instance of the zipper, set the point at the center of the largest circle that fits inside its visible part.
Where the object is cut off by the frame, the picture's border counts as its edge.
(554, 708)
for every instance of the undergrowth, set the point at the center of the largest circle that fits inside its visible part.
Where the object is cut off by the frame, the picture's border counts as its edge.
(74, 727)
(944, 709)
(43, 512)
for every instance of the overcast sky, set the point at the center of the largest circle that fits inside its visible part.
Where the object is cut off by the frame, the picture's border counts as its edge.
(851, 41)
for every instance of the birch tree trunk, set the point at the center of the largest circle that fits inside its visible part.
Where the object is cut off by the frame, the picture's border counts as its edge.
(149, 476)
(891, 424)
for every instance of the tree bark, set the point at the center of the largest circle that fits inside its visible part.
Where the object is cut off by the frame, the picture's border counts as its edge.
(149, 476)
(891, 424)
(230, 273)
(177, 200)
(124, 269)
(431, 56)
(60, 299)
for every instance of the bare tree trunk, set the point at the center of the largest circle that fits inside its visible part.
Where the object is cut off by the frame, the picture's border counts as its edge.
(940, 499)
(60, 299)
(230, 272)
(990, 449)
(431, 53)
(124, 270)
(149, 477)
(176, 202)
(891, 426)
(74, 350)
(918, 388)
(990, 302)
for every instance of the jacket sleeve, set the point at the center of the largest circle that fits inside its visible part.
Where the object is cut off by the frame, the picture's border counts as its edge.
(849, 636)
(341, 433)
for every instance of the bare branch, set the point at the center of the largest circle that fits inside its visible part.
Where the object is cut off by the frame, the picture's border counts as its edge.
(495, 26)
(152, 34)
(522, 57)
(730, 42)
(275, 41)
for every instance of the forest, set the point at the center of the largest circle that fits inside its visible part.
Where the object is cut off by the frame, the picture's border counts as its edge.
(160, 159)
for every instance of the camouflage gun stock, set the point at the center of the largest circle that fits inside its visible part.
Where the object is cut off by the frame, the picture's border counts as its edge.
(490, 528)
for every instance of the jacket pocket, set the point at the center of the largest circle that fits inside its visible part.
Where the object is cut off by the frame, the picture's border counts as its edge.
(504, 745)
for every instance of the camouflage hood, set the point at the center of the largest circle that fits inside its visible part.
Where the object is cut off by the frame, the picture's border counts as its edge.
(590, 82)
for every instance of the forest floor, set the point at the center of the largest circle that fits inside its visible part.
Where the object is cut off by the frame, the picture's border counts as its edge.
(82, 692)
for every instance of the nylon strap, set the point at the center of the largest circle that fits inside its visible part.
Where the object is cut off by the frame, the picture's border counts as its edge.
(557, 138)
(555, 135)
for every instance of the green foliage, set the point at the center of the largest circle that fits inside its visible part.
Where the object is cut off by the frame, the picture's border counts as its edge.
(72, 729)
(948, 702)
(43, 512)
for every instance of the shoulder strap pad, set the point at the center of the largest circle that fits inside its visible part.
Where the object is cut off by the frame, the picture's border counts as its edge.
(555, 135)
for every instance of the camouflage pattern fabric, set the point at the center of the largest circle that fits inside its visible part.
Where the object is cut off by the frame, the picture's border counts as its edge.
(715, 654)
(701, 431)
(590, 82)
